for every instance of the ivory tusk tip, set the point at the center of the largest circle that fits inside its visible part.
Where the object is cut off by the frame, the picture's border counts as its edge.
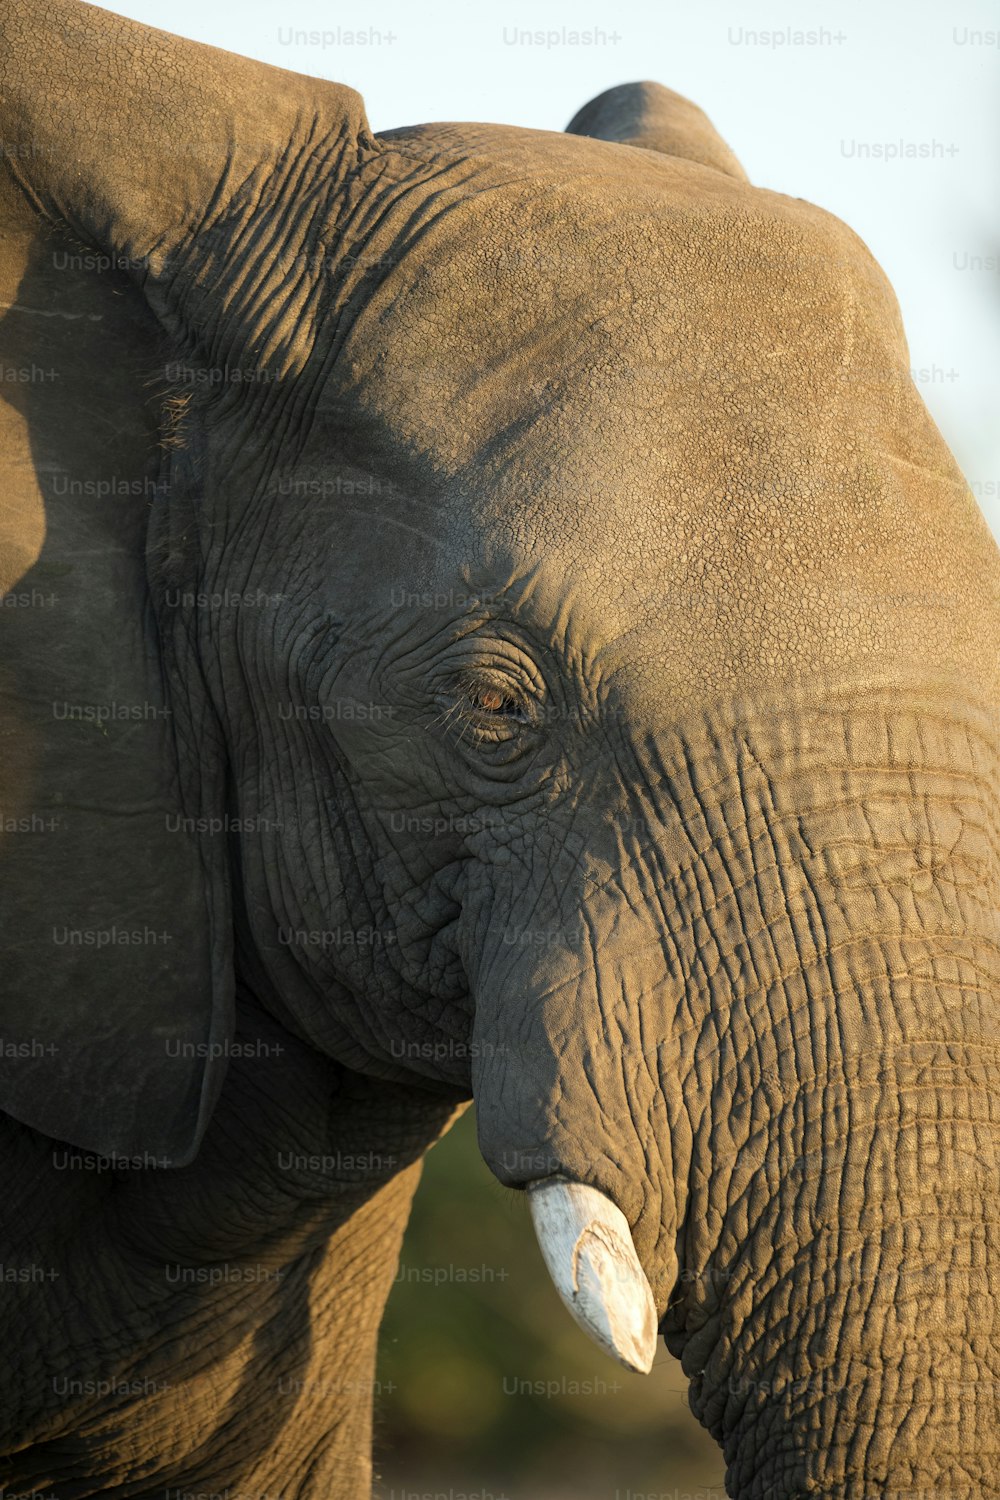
(587, 1246)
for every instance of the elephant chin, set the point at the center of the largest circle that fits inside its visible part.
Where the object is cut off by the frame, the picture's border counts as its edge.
(587, 1246)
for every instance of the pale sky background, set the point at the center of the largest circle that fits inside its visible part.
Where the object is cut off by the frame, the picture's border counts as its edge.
(889, 73)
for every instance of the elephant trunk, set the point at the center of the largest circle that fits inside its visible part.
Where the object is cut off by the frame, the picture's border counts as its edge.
(769, 1036)
(840, 1329)
(840, 1333)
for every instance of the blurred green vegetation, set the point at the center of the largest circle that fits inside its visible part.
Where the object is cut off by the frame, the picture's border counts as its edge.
(487, 1388)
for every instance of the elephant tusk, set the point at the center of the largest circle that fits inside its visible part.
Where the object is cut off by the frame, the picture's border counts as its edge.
(587, 1246)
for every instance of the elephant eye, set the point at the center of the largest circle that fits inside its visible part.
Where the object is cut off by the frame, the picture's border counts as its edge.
(488, 708)
(489, 711)
(492, 700)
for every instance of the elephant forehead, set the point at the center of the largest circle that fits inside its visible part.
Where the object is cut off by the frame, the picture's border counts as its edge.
(673, 414)
(586, 321)
(709, 536)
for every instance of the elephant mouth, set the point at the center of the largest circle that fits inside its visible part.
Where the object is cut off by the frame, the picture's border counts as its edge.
(587, 1246)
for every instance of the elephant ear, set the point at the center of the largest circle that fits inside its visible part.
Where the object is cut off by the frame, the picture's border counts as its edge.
(115, 976)
(122, 147)
(657, 119)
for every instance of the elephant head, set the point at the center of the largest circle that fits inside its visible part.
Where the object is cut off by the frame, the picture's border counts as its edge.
(547, 652)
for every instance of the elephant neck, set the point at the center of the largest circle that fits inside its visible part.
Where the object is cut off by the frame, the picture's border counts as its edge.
(288, 1410)
(251, 1376)
(214, 1327)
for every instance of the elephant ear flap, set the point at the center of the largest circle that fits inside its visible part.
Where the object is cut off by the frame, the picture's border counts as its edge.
(116, 981)
(657, 119)
(119, 207)
(132, 164)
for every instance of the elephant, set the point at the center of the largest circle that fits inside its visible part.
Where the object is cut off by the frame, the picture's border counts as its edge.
(487, 616)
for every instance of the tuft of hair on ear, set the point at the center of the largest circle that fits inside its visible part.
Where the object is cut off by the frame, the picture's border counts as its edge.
(170, 399)
(175, 409)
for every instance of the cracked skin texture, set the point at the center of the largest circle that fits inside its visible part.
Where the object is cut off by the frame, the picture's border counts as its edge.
(708, 377)
(662, 422)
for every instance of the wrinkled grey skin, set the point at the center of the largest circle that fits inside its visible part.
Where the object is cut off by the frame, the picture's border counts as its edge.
(615, 661)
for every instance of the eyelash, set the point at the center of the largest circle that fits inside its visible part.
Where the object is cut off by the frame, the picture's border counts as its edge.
(489, 724)
(505, 704)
